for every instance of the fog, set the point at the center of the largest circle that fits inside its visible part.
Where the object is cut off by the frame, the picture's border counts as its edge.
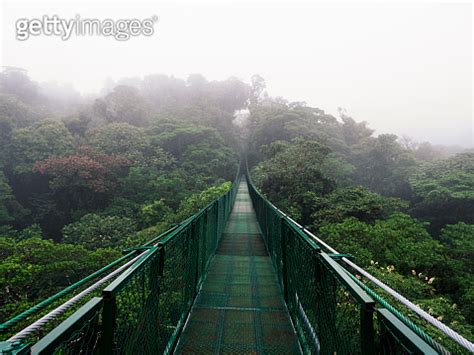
(404, 68)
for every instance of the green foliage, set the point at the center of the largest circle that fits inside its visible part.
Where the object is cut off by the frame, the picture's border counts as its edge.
(77, 125)
(355, 202)
(358, 220)
(420, 289)
(466, 301)
(139, 157)
(154, 212)
(123, 104)
(16, 83)
(13, 115)
(121, 207)
(444, 191)
(459, 245)
(412, 286)
(338, 169)
(176, 185)
(279, 121)
(384, 166)
(449, 313)
(212, 163)
(355, 133)
(459, 241)
(6, 197)
(199, 150)
(35, 268)
(33, 231)
(399, 240)
(41, 141)
(293, 177)
(119, 138)
(93, 231)
(196, 202)
(162, 148)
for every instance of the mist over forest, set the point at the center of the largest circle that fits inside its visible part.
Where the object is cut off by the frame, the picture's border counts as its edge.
(84, 177)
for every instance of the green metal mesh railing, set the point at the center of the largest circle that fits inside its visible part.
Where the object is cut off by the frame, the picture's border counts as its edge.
(20, 321)
(144, 309)
(331, 311)
(79, 334)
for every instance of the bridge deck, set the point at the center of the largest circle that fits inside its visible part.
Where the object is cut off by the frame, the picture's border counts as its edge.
(240, 307)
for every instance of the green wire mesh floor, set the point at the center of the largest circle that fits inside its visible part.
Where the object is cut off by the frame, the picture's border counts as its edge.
(240, 307)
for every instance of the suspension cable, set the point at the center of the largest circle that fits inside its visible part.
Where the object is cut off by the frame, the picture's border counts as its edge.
(37, 325)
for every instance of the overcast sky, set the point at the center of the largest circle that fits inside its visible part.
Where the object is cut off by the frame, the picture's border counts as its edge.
(405, 68)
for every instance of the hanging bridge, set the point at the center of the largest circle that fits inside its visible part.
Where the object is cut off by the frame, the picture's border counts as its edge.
(238, 277)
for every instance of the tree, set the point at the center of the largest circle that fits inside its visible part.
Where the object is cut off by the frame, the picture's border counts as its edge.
(459, 245)
(197, 82)
(152, 213)
(6, 197)
(10, 210)
(176, 185)
(426, 152)
(123, 104)
(15, 82)
(13, 115)
(196, 202)
(132, 142)
(257, 90)
(86, 169)
(358, 202)
(35, 268)
(354, 132)
(293, 177)
(398, 240)
(444, 191)
(229, 95)
(274, 121)
(120, 139)
(161, 90)
(78, 124)
(93, 231)
(83, 181)
(384, 166)
(199, 150)
(41, 141)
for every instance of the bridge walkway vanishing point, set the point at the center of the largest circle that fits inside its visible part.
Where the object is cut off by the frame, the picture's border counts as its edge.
(240, 308)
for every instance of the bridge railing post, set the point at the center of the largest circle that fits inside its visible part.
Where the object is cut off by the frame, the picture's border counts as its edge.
(284, 262)
(367, 332)
(109, 312)
(351, 294)
(194, 258)
(216, 217)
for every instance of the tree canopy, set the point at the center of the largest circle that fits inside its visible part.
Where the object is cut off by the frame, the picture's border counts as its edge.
(83, 178)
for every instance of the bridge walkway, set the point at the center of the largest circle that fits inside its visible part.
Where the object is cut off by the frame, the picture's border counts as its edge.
(240, 307)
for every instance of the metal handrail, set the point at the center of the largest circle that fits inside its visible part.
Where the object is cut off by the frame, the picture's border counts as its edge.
(427, 317)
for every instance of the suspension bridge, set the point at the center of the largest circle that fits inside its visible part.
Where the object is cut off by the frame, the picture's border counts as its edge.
(238, 277)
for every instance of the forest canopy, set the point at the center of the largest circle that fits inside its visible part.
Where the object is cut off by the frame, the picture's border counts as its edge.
(403, 210)
(82, 178)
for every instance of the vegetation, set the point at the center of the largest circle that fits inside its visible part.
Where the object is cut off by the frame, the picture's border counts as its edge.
(82, 179)
(403, 210)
